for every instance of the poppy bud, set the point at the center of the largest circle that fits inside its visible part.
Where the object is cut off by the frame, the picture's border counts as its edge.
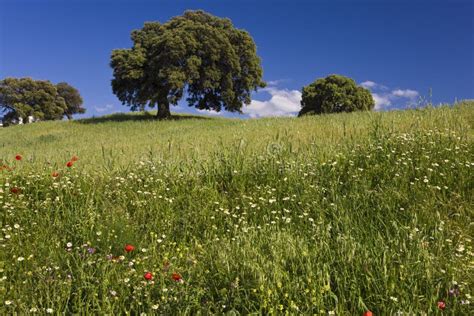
(441, 305)
(129, 248)
(176, 276)
(148, 276)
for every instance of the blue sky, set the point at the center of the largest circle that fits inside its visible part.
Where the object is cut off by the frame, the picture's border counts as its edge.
(398, 49)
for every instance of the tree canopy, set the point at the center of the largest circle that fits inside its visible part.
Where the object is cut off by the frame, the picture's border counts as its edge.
(23, 97)
(334, 94)
(204, 56)
(72, 98)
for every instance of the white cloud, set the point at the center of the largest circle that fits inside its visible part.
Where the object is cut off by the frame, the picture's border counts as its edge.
(373, 85)
(210, 112)
(276, 82)
(282, 102)
(381, 101)
(105, 108)
(410, 94)
(368, 84)
(384, 98)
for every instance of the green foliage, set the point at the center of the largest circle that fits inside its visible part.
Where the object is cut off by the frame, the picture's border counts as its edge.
(335, 94)
(23, 97)
(20, 98)
(72, 98)
(197, 53)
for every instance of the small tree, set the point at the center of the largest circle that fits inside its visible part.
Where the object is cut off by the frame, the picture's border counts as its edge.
(20, 98)
(335, 94)
(72, 98)
(203, 55)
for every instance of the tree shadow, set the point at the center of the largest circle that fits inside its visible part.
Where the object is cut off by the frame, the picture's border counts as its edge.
(133, 116)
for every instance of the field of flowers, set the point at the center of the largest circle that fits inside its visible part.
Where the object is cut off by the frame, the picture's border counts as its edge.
(338, 214)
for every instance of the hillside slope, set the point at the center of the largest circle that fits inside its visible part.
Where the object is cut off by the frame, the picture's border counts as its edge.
(336, 214)
(122, 139)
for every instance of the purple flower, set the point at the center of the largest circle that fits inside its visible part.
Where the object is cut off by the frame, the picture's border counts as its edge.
(91, 250)
(454, 291)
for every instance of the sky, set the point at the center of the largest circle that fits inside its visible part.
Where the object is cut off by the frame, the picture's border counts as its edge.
(399, 50)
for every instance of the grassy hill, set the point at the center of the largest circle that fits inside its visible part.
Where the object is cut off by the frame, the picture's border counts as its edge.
(336, 213)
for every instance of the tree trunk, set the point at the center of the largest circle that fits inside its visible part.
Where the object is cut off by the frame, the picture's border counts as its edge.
(163, 110)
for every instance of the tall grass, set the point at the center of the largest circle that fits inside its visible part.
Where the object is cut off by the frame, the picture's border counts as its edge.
(334, 214)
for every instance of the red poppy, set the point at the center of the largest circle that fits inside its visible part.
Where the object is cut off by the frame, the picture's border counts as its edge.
(129, 248)
(148, 276)
(367, 313)
(55, 174)
(176, 276)
(15, 190)
(18, 157)
(74, 158)
(441, 305)
(69, 164)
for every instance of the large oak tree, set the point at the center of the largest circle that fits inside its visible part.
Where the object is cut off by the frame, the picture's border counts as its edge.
(197, 54)
(334, 94)
(24, 97)
(72, 98)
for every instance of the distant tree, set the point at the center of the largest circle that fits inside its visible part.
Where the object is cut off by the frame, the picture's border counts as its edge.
(197, 53)
(20, 98)
(335, 94)
(72, 98)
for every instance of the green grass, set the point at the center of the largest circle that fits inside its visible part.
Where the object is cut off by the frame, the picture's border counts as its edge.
(337, 213)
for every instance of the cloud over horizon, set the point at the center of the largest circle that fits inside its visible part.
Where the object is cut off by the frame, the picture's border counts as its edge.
(103, 109)
(386, 98)
(282, 102)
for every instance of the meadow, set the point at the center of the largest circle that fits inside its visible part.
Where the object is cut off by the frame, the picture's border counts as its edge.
(334, 214)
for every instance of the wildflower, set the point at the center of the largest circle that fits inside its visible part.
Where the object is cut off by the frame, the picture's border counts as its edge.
(20, 259)
(15, 190)
(49, 310)
(113, 293)
(69, 244)
(367, 313)
(8, 302)
(69, 164)
(155, 306)
(18, 157)
(33, 310)
(441, 305)
(91, 250)
(454, 291)
(177, 277)
(129, 248)
(55, 174)
(148, 276)
(74, 158)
